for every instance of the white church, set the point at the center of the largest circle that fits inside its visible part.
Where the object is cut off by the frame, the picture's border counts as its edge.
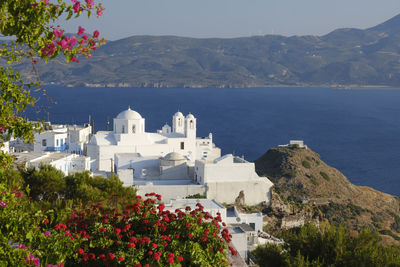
(174, 162)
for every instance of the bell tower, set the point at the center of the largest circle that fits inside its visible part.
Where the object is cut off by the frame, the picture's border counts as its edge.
(178, 123)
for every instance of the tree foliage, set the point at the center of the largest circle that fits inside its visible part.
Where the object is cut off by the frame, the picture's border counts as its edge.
(328, 246)
(32, 34)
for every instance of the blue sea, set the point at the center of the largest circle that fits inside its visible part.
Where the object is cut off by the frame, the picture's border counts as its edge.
(356, 131)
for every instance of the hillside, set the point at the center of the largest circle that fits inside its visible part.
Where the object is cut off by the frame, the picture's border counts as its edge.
(344, 57)
(307, 189)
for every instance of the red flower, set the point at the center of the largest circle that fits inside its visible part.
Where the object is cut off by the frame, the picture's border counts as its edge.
(161, 207)
(180, 258)
(46, 221)
(110, 256)
(154, 245)
(80, 251)
(190, 235)
(156, 256)
(131, 245)
(120, 258)
(117, 231)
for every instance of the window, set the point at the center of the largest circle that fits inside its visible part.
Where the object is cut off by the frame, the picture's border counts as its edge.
(133, 128)
(44, 142)
(123, 128)
(179, 122)
(57, 142)
(182, 145)
(191, 124)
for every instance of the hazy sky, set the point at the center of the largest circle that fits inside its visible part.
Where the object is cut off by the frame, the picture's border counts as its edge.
(233, 18)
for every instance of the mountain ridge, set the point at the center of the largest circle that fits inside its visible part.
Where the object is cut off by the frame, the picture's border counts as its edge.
(345, 57)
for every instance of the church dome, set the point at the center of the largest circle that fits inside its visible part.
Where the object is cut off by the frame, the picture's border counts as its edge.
(178, 114)
(129, 114)
(173, 156)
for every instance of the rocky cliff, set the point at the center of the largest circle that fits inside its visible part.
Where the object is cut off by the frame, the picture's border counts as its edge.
(307, 189)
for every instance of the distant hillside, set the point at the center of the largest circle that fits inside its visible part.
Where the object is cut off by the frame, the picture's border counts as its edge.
(344, 57)
(306, 189)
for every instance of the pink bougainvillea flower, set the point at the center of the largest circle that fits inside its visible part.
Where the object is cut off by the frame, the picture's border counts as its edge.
(47, 233)
(58, 32)
(3, 204)
(74, 59)
(81, 30)
(90, 3)
(63, 43)
(77, 6)
(100, 11)
(96, 34)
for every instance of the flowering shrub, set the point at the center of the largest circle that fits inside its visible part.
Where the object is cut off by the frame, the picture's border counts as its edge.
(142, 234)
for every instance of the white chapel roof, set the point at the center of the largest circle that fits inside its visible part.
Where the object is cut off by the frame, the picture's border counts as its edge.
(129, 114)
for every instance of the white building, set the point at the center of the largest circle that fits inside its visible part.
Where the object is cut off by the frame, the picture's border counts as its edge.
(53, 138)
(78, 138)
(129, 137)
(174, 162)
(68, 138)
(67, 163)
(226, 177)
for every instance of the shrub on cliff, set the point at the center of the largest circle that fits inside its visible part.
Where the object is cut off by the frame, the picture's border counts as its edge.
(328, 246)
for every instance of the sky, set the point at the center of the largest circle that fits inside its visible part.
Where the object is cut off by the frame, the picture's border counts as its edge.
(235, 18)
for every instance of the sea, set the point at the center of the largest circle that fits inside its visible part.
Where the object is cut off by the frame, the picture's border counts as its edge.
(356, 131)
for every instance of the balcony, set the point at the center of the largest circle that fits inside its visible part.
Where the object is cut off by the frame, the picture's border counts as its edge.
(59, 148)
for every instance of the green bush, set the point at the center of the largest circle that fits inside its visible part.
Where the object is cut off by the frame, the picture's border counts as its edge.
(314, 180)
(325, 176)
(328, 246)
(306, 164)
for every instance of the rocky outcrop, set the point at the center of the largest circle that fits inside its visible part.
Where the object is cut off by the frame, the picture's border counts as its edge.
(307, 189)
